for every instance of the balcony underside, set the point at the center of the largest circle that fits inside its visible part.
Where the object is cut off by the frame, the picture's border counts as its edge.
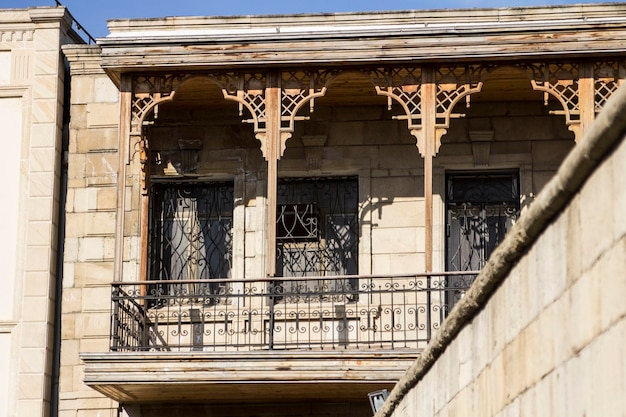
(226, 377)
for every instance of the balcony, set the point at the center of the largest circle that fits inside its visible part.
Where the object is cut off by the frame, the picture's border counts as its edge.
(293, 337)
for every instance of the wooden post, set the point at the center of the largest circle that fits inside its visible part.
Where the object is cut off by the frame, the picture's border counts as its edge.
(273, 143)
(143, 257)
(429, 118)
(586, 97)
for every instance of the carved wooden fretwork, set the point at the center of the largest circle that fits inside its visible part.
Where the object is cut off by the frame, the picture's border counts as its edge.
(147, 93)
(560, 80)
(150, 91)
(294, 90)
(248, 90)
(455, 83)
(403, 86)
(608, 77)
(297, 89)
(300, 88)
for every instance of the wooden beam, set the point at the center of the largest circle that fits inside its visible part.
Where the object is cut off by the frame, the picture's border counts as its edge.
(366, 38)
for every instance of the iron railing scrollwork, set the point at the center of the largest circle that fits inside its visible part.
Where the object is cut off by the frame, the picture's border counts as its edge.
(365, 312)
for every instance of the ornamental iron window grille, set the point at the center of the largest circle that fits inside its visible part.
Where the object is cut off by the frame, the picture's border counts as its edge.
(480, 209)
(317, 232)
(190, 234)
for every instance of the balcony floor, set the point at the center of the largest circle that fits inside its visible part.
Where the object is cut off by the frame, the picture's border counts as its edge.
(226, 377)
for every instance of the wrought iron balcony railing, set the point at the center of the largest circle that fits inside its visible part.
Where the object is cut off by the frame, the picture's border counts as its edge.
(347, 312)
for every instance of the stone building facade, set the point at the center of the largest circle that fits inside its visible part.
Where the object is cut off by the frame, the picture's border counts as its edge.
(272, 215)
(32, 98)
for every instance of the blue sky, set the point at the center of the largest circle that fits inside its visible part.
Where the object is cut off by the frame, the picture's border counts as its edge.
(93, 14)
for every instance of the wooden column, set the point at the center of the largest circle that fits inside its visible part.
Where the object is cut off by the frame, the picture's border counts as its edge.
(586, 97)
(143, 258)
(273, 143)
(429, 113)
(123, 145)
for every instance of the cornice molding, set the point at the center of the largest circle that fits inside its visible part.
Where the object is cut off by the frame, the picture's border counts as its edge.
(83, 59)
(16, 35)
(7, 326)
(215, 43)
(445, 18)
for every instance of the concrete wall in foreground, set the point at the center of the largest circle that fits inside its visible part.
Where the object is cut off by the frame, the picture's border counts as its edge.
(551, 340)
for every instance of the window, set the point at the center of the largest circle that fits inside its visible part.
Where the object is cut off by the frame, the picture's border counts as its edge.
(317, 229)
(190, 232)
(480, 209)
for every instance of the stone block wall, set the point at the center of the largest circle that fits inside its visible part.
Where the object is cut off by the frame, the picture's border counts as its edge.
(551, 339)
(32, 81)
(90, 206)
(364, 141)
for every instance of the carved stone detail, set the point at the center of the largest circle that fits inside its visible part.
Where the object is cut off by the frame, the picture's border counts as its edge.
(481, 146)
(16, 35)
(313, 150)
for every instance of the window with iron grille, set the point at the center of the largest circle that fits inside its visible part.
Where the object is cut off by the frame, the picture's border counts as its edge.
(480, 209)
(190, 231)
(317, 228)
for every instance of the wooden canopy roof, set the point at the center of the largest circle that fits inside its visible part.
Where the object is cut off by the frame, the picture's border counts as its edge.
(357, 39)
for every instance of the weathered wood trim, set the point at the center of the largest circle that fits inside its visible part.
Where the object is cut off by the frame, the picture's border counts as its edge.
(409, 51)
(586, 97)
(429, 120)
(199, 43)
(261, 375)
(272, 155)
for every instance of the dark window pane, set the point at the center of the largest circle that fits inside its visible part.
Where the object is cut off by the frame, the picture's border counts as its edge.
(190, 231)
(480, 209)
(317, 232)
